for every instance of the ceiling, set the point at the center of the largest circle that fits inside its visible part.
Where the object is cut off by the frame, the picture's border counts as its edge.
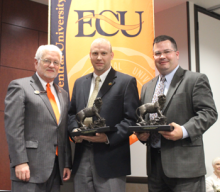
(160, 5)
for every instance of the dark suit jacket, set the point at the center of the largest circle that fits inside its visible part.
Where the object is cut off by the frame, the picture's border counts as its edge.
(190, 104)
(32, 130)
(120, 100)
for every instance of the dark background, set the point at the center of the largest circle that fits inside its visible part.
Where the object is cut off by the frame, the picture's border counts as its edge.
(23, 28)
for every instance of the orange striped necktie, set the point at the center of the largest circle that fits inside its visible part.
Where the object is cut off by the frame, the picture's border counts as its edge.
(54, 106)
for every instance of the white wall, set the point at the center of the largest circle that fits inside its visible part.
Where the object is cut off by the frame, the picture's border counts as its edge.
(173, 22)
(138, 159)
(209, 41)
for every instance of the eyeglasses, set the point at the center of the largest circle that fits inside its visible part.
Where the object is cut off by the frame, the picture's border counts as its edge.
(48, 62)
(164, 53)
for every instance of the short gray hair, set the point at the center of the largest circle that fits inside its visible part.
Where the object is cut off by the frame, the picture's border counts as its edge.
(43, 48)
(215, 160)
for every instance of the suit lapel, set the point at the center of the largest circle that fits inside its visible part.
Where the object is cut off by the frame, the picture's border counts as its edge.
(108, 83)
(150, 89)
(39, 90)
(177, 79)
(86, 88)
(60, 97)
(149, 92)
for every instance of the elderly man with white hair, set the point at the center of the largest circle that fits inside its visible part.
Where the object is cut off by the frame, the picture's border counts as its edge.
(36, 127)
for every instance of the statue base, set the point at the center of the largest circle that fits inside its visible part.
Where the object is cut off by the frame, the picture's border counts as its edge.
(148, 128)
(90, 132)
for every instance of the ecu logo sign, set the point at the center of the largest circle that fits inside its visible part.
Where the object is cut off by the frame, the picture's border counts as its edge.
(119, 15)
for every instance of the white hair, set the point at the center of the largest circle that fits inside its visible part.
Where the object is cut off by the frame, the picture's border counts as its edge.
(215, 160)
(43, 48)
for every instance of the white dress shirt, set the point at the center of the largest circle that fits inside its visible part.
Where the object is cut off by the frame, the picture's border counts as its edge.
(44, 84)
(212, 183)
(102, 77)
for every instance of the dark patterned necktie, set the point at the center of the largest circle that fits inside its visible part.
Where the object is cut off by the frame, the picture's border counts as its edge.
(155, 136)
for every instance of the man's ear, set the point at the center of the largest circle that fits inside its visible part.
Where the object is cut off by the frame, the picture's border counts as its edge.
(112, 55)
(35, 63)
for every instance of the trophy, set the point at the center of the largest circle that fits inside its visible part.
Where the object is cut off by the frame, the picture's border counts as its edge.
(156, 124)
(98, 126)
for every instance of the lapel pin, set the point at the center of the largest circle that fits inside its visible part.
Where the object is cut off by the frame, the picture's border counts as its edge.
(110, 83)
(39, 92)
(36, 92)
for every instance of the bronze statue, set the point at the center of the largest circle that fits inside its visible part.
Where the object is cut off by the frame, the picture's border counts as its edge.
(90, 112)
(152, 108)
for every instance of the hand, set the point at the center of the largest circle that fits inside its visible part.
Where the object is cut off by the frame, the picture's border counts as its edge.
(174, 135)
(22, 172)
(78, 139)
(142, 136)
(98, 138)
(66, 174)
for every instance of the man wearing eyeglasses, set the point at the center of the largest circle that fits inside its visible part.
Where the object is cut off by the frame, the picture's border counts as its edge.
(175, 160)
(36, 127)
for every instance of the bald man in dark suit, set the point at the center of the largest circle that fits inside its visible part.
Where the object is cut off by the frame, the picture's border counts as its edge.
(101, 162)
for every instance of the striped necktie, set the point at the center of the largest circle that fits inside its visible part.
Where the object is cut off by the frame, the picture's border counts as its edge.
(155, 136)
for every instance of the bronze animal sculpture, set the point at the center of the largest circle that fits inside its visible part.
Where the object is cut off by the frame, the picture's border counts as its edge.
(151, 108)
(89, 112)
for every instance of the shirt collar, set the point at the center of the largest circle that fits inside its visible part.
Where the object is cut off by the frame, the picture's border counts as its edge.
(103, 76)
(169, 76)
(44, 83)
